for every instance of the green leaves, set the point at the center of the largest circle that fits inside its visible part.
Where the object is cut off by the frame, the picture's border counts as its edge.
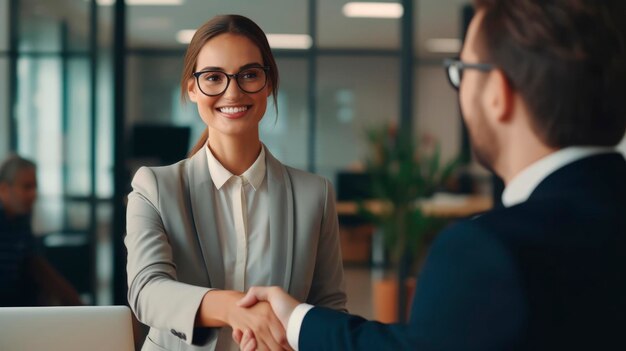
(402, 174)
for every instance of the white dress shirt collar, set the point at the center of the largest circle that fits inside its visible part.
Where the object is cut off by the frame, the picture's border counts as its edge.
(524, 183)
(220, 175)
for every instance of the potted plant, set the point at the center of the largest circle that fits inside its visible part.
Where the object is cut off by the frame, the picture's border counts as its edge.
(402, 175)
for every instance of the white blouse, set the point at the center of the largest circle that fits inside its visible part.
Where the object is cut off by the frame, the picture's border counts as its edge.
(241, 205)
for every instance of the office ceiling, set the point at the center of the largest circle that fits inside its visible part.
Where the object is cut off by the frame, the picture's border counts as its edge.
(157, 26)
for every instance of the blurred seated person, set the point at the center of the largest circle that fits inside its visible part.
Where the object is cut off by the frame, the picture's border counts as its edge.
(26, 277)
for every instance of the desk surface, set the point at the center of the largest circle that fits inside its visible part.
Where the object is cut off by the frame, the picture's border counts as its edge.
(445, 206)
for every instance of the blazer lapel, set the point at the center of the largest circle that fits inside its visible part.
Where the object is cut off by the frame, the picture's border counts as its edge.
(201, 191)
(281, 221)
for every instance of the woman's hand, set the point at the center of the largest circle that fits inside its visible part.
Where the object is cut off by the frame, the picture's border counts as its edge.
(219, 308)
(260, 324)
(246, 341)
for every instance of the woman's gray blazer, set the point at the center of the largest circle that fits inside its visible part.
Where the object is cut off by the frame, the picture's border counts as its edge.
(174, 254)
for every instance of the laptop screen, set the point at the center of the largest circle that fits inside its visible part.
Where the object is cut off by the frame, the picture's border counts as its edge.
(66, 328)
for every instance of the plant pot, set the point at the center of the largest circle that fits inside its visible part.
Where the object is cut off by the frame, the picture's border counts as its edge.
(385, 298)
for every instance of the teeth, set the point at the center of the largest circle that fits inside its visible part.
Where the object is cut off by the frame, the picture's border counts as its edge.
(233, 109)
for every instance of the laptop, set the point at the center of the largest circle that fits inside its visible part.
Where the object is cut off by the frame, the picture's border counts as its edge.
(94, 328)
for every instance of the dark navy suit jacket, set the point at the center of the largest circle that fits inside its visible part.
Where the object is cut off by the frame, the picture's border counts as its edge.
(17, 247)
(547, 274)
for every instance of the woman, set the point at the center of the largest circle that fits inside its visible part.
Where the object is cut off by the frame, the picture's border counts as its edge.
(201, 231)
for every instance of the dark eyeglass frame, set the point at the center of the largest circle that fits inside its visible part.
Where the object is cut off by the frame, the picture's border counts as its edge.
(455, 65)
(234, 76)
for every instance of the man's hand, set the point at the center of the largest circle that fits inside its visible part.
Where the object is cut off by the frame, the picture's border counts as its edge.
(220, 308)
(260, 323)
(245, 340)
(282, 304)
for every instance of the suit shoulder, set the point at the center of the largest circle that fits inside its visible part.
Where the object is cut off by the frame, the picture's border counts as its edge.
(169, 170)
(472, 245)
(497, 230)
(527, 217)
(300, 178)
(160, 174)
(467, 231)
(521, 226)
(150, 180)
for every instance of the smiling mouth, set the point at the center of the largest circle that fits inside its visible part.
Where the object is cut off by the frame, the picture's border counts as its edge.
(233, 109)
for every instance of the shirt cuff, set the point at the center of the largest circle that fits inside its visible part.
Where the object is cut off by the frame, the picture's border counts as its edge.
(295, 323)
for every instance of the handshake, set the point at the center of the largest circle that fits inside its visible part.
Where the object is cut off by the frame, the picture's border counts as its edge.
(258, 319)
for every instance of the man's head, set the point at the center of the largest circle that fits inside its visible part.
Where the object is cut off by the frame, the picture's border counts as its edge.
(18, 186)
(561, 64)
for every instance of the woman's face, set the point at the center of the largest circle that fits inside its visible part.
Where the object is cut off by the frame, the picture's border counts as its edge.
(235, 112)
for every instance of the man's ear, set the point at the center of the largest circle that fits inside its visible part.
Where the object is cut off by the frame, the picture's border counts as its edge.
(191, 90)
(499, 96)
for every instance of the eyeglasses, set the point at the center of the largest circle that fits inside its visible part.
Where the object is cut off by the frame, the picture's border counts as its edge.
(455, 67)
(250, 80)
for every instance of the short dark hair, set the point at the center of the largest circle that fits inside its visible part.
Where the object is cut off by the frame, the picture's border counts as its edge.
(567, 59)
(11, 166)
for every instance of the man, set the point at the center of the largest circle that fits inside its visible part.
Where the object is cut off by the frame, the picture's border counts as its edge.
(26, 278)
(541, 90)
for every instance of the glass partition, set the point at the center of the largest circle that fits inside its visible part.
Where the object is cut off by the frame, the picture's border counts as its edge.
(438, 28)
(354, 93)
(437, 114)
(338, 31)
(39, 133)
(59, 128)
(48, 26)
(5, 108)
(4, 26)
(160, 26)
(77, 128)
(286, 134)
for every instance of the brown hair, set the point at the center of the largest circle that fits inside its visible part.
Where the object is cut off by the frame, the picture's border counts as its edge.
(567, 59)
(217, 25)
